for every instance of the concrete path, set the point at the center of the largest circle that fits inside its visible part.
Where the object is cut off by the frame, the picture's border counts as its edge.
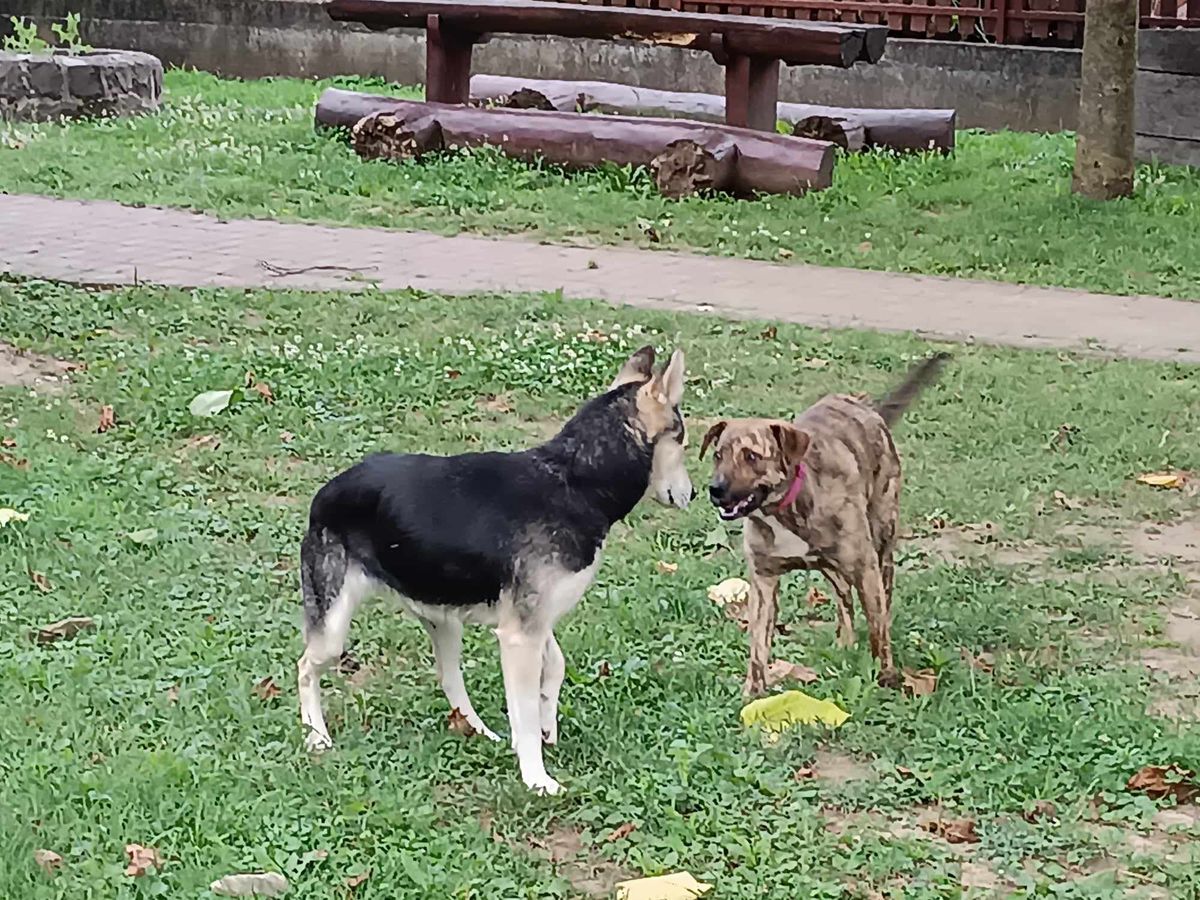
(106, 243)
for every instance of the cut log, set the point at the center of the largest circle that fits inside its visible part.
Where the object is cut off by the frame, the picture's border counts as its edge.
(847, 134)
(903, 130)
(685, 157)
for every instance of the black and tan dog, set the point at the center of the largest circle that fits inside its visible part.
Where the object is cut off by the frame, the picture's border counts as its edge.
(510, 540)
(820, 493)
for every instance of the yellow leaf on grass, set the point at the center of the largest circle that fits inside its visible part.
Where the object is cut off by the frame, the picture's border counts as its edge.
(731, 590)
(676, 886)
(782, 711)
(1162, 479)
(11, 515)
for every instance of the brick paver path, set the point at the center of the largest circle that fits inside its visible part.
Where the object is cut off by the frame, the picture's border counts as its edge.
(103, 242)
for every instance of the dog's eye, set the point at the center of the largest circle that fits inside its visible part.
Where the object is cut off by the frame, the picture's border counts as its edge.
(752, 457)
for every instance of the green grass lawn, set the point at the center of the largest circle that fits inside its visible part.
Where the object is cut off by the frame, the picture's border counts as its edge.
(179, 535)
(1000, 208)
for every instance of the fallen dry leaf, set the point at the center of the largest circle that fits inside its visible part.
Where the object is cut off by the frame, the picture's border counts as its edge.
(264, 390)
(211, 441)
(141, 860)
(48, 861)
(804, 774)
(61, 630)
(107, 419)
(604, 670)
(1063, 500)
(814, 363)
(621, 831)
(1168, 480)
(1163, 781)
(8, 514)
(354, 881)
(457, 723)
(731, 590)
(865, 247)
(40, 581)
(1042, 809)
(904, 771)
(769, 333)
(781, 670)
(784, 253)
(675, 886)
(250, 884)
(453, 374)
(816, 598)
(666, 568)
(267, 689)
(984, 662)
(953, 831)
(286, 437)
(13, 461)
(8, 442)
(920, 683)
(173, 694)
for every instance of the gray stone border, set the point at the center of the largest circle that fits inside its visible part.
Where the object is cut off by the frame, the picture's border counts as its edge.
(39, 87)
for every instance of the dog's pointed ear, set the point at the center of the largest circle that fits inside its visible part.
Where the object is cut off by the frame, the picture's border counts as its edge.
(668, 384)
(792, 442)
(639, 367)
(714, 433)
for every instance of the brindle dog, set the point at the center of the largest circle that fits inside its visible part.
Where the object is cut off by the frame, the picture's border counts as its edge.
(820, 493)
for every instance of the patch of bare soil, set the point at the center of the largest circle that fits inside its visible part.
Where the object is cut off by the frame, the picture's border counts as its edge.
(587, 871)
(839, 768)
(978, 542)
(19, 368)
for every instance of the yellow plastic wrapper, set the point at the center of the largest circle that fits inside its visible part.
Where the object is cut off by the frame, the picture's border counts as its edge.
(676, 886)
(782, 711)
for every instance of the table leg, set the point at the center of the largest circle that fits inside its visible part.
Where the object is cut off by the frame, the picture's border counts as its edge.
(447, 62)
(751, 92)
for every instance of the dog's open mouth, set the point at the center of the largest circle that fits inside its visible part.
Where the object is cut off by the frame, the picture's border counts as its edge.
(742, 507)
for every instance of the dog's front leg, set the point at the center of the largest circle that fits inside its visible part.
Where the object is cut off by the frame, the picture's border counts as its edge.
(764, 612)
(521, 655)
(554, 669)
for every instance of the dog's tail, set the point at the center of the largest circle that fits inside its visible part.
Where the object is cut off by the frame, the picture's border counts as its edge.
(919, 377)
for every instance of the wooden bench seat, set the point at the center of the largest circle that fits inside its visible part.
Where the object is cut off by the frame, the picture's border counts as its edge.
(751, 49)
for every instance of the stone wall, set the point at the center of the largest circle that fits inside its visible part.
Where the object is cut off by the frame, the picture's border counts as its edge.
(992, 87)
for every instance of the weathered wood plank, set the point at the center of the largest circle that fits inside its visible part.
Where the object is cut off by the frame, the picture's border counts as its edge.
(793, 42)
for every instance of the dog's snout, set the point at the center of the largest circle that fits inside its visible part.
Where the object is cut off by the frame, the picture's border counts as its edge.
(718, 490)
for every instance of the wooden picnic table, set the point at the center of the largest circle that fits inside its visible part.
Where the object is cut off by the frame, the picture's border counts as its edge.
(750, 48)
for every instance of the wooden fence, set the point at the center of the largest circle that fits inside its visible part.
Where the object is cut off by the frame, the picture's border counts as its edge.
(1054, 23)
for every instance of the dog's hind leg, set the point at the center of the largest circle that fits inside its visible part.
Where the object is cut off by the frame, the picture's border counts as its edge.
(877, 610)
(446, 636)
(333, 586)
(554, 669)
(844, 592)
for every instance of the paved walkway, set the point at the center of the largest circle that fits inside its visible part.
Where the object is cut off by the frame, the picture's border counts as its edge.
(106, 243)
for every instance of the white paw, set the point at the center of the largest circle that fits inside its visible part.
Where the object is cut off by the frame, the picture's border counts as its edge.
(317, 742)
(543, 785)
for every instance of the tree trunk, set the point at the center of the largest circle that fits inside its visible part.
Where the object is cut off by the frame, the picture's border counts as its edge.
(1104, 146)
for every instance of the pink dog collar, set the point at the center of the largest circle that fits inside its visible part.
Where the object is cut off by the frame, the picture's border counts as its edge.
(794, 488)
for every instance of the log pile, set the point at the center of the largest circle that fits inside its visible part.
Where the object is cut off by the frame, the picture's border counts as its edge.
(903, 130)
(685, 157)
